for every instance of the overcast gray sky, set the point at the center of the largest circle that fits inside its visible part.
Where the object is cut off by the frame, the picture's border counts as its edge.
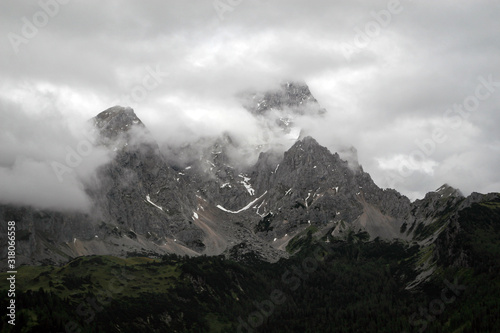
(413, 85)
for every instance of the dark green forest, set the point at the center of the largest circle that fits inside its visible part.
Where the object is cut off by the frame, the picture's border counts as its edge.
(350, 285)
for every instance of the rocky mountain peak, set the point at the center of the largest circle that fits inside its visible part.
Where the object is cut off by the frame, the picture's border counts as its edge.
(294, 96)
(308, 165)
(213, 205)
(448, 191)
(308, 142)
(115, 120)
(308, 150)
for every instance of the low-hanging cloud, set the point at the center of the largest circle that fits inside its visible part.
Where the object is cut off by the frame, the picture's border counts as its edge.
(382, 99)
(46, 159)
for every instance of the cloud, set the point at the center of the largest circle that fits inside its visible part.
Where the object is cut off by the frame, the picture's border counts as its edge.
(381, 99)
(46, 159)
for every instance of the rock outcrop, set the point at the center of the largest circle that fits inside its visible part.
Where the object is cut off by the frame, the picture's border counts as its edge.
(198, 201)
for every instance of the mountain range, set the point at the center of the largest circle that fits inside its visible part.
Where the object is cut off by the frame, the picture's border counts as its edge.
(198, 200)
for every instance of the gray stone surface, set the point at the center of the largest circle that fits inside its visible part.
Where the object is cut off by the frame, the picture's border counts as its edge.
(196, 200)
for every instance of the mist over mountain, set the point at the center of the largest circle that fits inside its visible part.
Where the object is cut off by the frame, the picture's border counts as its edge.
(201, 210)
(249, 166)
(46, 159)
(209, 194)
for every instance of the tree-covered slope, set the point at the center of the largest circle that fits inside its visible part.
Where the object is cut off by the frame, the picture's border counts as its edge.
(328, 285)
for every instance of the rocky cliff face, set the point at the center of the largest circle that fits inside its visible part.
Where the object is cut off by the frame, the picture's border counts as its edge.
(144, 203)
(280, 107)
(295, 97)
(140, 204)
(138, 190)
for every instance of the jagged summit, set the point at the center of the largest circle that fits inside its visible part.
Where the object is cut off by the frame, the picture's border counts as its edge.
(281, 106)
(115, 120)
(291, 95)
(309, 141)
(448, 191)
(207, 201)
(118, 113)
(309, 146)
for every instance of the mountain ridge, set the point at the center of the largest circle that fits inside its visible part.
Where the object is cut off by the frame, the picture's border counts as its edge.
(144, 204)
(191, 239)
